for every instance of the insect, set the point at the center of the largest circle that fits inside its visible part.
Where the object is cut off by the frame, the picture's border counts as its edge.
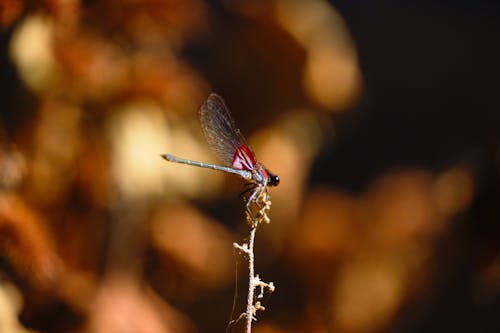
(231, 148)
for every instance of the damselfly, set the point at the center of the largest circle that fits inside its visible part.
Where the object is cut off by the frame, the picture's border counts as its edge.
(231, 148)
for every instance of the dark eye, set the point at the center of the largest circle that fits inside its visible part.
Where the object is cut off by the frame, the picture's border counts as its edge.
(275, 180)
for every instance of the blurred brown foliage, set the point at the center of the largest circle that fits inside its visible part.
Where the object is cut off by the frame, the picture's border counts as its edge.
(99, 234)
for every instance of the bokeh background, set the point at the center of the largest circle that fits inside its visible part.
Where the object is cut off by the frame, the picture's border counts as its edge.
(381, 119)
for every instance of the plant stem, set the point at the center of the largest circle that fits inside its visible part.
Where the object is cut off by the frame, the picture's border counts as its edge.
(251, 287)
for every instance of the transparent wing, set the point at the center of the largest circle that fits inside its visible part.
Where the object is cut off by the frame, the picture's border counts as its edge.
(221, 133)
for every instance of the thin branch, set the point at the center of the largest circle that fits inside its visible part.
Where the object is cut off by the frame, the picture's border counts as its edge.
(260, 200)
(250, 312)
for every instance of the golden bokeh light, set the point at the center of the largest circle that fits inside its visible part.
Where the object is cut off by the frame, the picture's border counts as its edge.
(331, 75)
(31, 50)
(200, 245)
(453, 191)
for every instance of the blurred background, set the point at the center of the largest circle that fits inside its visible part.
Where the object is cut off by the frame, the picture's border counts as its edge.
(381, 119)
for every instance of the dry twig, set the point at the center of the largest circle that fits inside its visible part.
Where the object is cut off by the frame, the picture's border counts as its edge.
(262, 203)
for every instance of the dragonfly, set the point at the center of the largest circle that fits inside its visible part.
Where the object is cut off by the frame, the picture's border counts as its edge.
(229, 145)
